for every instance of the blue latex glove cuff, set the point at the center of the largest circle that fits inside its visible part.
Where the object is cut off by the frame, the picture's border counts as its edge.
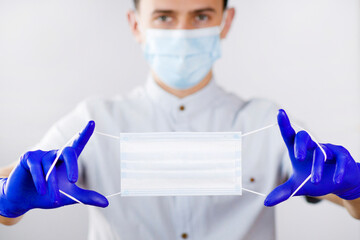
(5, 205)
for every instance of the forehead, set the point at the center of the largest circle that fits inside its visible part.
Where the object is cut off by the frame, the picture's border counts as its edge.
(179, 5)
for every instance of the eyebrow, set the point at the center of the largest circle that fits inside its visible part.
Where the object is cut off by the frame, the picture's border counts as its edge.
(209, 9)
(160, 11)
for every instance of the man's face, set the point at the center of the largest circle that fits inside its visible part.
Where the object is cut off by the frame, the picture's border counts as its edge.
(178, 14)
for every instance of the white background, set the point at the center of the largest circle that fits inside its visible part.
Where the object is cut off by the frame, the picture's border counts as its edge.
(302, 54)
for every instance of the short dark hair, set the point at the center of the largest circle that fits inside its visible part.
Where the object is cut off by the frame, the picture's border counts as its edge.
(136, 3)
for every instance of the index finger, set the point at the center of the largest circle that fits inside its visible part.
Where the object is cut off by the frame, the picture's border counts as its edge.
(287, 132)
(80, 142)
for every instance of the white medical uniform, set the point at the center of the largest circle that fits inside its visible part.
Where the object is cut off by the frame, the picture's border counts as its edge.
(151, 109)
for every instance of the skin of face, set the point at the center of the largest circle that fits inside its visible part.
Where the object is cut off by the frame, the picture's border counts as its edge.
(179, 14)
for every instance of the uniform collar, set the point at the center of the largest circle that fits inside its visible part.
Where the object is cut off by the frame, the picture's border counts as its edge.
(188, 104)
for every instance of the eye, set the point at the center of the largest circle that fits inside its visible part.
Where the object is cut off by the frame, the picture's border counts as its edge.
(164, 18)
(202, 18)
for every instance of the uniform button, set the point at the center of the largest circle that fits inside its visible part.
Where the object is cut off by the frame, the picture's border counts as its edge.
(252, 179)
(184, 235)
(182, 108)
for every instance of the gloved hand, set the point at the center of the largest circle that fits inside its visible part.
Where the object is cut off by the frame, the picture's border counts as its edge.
(26, 187)
(339, 174)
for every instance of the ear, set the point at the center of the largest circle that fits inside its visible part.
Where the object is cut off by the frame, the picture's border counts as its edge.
(228, 21)
(134, 25)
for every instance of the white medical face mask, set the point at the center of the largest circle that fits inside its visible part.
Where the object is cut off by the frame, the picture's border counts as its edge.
(175, 164)
(182, 58)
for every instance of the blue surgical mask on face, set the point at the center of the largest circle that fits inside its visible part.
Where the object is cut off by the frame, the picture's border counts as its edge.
(182, 58)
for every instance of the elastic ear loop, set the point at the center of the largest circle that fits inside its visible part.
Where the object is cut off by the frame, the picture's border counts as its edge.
(322, 150)
(58, 154)
(223, 20)
(317, 143)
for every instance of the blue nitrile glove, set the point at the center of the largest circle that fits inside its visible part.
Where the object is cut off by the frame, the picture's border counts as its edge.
(339, 175)
(26, 187)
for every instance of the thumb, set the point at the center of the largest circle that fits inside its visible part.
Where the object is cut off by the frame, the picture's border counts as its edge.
(279, 194)
(93, 198)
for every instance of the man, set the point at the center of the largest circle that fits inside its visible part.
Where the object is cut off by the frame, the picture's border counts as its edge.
(180, 39)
